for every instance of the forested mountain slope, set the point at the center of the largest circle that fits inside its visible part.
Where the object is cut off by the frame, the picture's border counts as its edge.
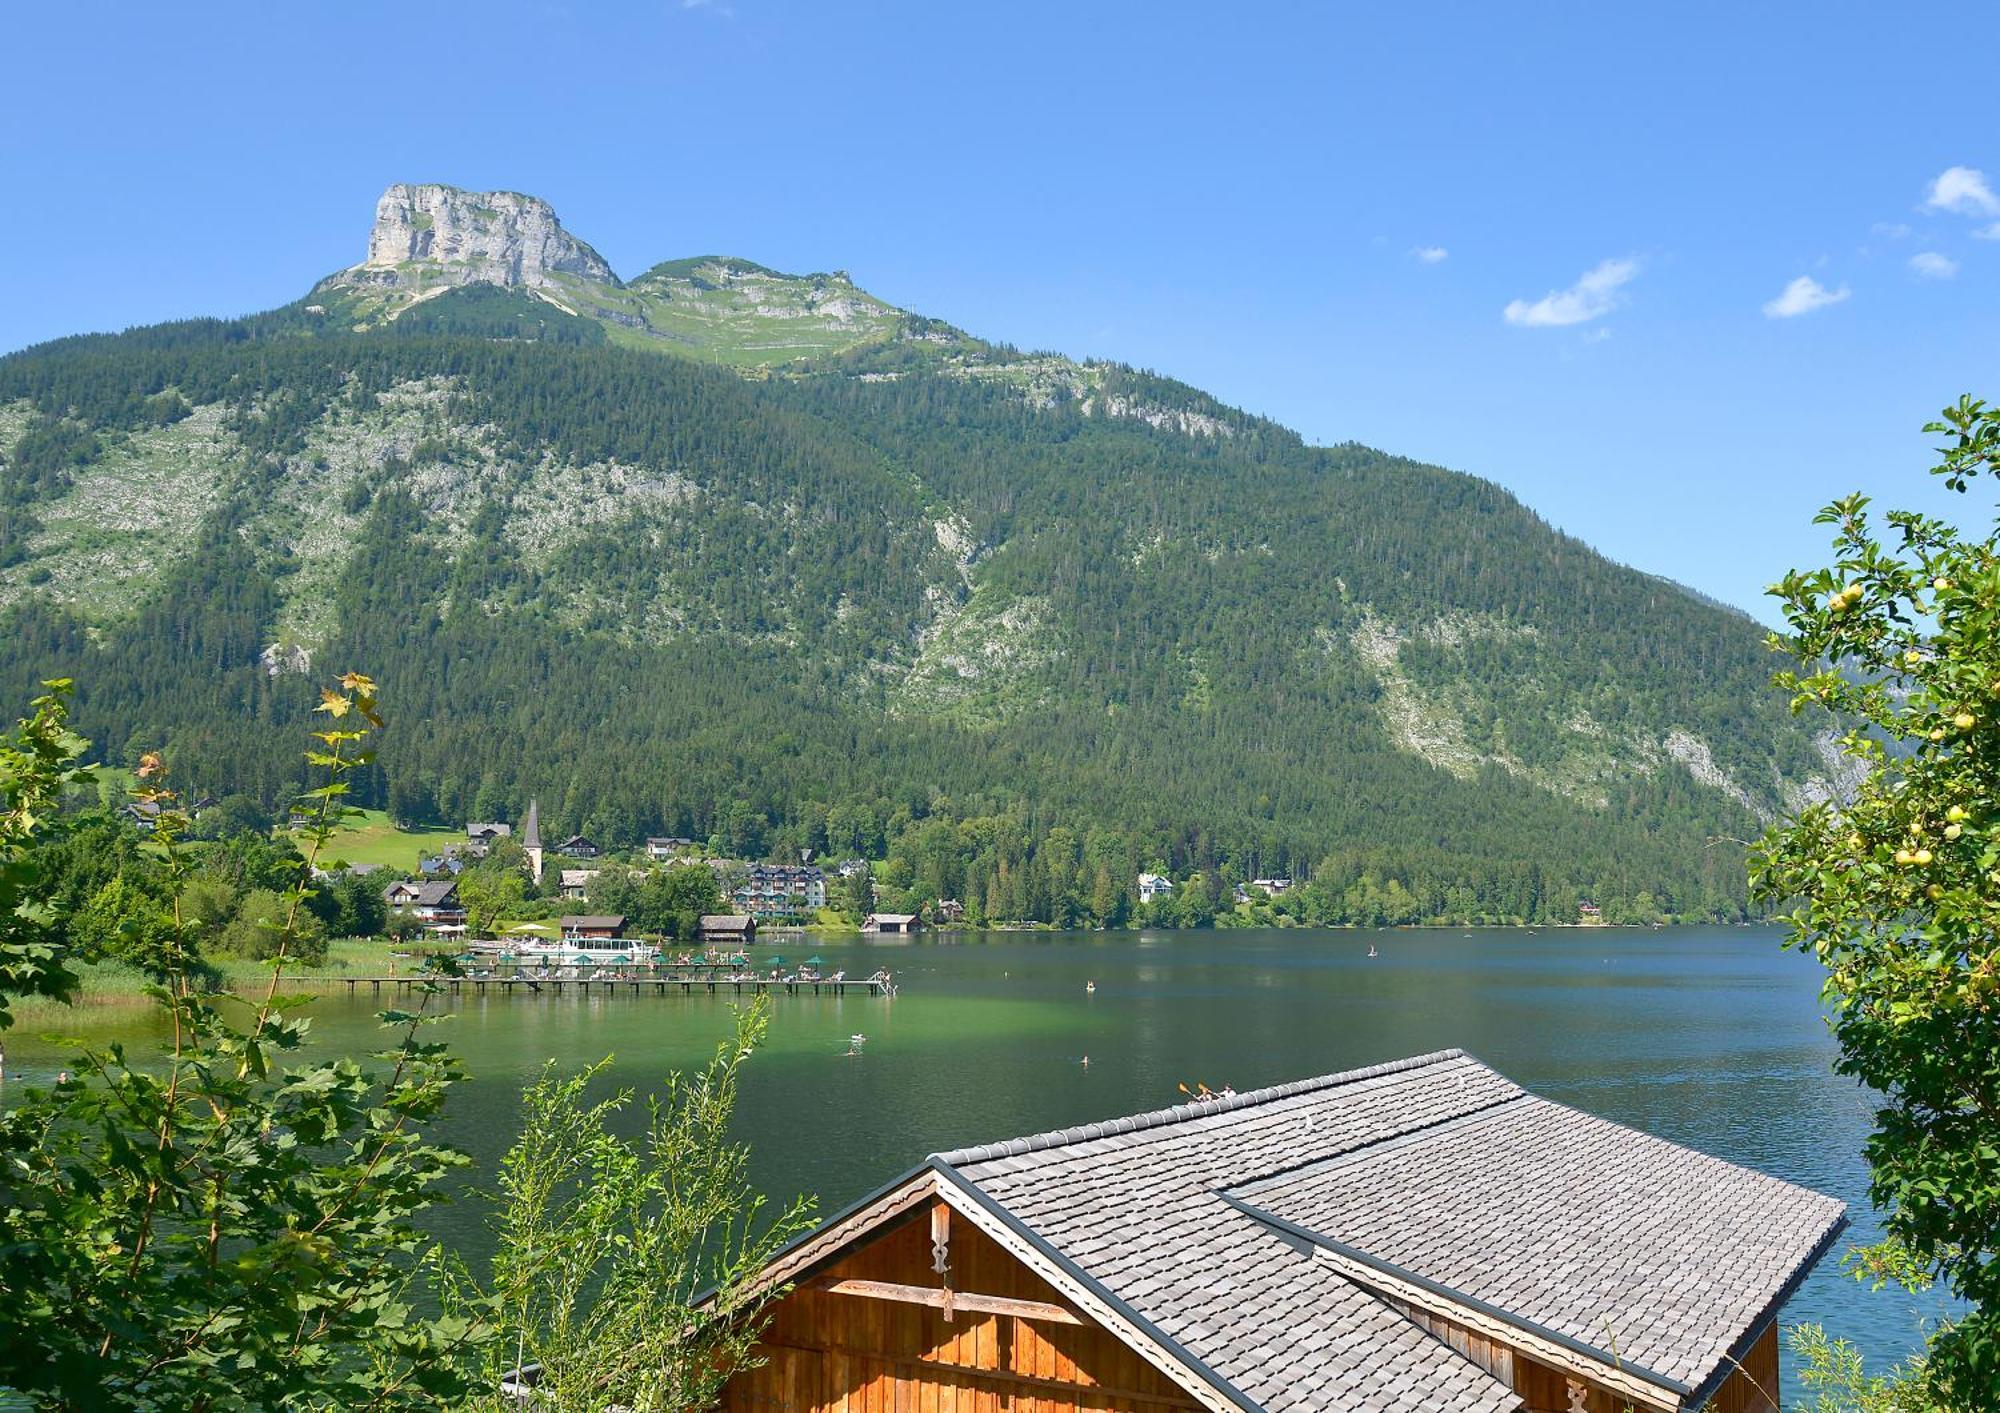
(1033, 623)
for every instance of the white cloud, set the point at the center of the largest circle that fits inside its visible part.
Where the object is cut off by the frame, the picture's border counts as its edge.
(1890, 230)
(1431, 254)
(1991, 232)
(1964, 190)
(1933, 266)
(1802, 296)
(1598, 293)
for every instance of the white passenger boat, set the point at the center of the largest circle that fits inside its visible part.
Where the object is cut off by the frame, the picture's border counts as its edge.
(572, 951)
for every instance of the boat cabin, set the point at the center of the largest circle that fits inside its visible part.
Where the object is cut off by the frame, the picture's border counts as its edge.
(1417, 1235)
(578, 929)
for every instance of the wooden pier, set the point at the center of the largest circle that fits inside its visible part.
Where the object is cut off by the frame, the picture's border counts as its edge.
(532, 984)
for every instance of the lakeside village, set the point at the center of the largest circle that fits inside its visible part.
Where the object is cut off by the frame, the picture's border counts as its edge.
(670, 889)
(578, 899)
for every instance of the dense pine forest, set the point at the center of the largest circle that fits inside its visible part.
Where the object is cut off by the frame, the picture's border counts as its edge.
(1018, 631)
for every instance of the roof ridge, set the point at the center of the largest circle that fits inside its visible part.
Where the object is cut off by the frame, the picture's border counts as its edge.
(1242, 1192)
(1179, 1113)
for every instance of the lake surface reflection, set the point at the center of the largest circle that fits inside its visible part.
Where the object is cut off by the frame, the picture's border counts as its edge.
(1711, 1037)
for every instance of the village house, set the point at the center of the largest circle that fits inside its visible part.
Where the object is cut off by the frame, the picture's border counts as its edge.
(667, 850)
(734, 929)
(433, 902)
(577, 929)
(575, 882)
(891, 923)
(1422, 1235)
(1273, 886)
(848, 868)
(480, 838)
(578, 847)
(948, 910)
(1155, 886)
(779, 890)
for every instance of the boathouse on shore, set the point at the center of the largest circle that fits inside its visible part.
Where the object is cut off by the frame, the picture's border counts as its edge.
(738, 929)
(1417, 1235)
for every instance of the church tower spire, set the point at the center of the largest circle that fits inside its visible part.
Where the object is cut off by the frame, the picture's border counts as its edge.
(531, 840)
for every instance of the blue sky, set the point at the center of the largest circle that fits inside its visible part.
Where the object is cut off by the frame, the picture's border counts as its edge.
(1617, 204)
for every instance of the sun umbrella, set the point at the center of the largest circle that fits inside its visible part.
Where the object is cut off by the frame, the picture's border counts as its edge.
(815, 960)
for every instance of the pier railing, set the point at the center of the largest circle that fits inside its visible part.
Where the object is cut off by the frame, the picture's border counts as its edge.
(631, 982)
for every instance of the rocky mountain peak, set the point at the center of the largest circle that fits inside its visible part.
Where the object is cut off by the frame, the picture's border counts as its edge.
(431, 241)
(429, 234)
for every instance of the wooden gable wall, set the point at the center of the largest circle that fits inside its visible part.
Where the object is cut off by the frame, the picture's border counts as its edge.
(826, 1352)
(1752, 1388)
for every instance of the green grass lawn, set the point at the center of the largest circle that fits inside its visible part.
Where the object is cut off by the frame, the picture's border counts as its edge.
(373, 838)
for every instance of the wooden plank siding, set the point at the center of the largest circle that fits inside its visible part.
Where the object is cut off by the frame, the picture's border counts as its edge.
(844, 1353)
(1753, 1388)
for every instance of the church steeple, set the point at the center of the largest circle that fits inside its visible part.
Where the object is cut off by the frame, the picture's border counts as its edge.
(531, 840)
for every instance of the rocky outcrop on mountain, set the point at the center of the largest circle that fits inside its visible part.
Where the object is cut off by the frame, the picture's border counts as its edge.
(431, 240)
(433, 235)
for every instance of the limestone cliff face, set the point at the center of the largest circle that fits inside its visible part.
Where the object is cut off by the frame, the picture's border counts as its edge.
(431, 234)
(431, 241)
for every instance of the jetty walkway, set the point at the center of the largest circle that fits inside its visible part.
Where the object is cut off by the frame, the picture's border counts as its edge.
(539, 984)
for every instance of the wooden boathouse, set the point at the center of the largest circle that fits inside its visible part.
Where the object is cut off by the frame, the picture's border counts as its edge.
(1423, 1235)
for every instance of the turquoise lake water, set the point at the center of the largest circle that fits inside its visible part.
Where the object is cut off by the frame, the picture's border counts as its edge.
(1711, 1037)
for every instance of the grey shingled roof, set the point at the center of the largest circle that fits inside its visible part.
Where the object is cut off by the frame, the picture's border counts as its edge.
(1652, 1253)
(1147, 1207)
(437, 894)
(1138, 1205)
